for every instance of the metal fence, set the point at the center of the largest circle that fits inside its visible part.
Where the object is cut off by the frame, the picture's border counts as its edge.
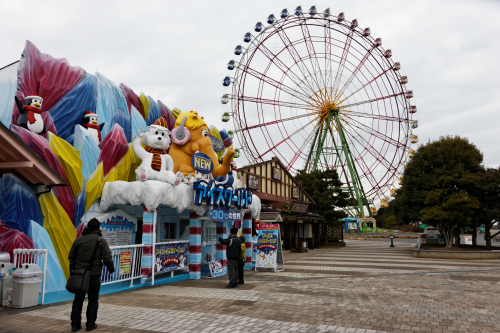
(332, 234)
(32, 256)
(208, 246)
(127, 260)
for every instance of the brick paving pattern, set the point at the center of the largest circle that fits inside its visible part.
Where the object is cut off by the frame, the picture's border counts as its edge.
(364, 287)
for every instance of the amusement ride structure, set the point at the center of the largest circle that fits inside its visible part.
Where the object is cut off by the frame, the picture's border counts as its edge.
(318, 91)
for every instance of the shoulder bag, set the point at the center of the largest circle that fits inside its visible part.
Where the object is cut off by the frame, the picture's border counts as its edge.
(79, 279)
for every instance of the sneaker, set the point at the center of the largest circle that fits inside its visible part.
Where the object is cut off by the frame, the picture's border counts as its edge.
(241, 282)
(76, 328)
(91, 328)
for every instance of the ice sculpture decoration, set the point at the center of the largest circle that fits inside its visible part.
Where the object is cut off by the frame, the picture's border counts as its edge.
(156, 163)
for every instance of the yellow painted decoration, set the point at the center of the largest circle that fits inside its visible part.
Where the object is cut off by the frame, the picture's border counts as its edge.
(176, 112)
(145, 104)
(70, 161)
(94, 186)
(134, 163)
(215, 133)
(59, 227)
(121, 171)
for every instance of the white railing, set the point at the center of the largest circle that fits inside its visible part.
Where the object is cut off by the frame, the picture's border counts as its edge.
(127, 260)
(207, 244)
(32, 256)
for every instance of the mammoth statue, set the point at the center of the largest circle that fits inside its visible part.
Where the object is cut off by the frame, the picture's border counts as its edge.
(189, 136)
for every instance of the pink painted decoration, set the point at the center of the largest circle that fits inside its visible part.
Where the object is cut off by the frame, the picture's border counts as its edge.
(113, 148)
(11, 239)
(45, 76)
(165, 112)
(132, 99)
(41, 148)
(79, 230)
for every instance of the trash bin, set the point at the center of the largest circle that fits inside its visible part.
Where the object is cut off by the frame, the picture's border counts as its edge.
(7, 285)
(4, 257)
(4, 268)
(26, 286)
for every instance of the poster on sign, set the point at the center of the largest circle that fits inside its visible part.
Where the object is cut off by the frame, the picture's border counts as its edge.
(124, 262)
(267, 245)
(215, 268)
(171, 257)
(117, 227)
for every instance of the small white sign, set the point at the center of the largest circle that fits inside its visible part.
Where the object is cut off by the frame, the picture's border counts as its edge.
(468, 240)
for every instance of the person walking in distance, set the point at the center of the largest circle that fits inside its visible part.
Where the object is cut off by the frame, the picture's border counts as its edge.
(233, 252)
(241, 262)
(79, 258)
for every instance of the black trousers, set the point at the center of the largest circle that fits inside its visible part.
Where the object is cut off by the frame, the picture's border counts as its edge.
(241, 264)
(232, 271)
(92, 307)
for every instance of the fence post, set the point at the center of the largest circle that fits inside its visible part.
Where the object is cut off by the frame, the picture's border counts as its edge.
(221, 249)
(247, 233)
(147, 260)
(194, 246)
(44, 252)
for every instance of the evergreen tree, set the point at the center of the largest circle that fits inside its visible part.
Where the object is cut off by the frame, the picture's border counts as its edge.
(324, 188)
(438, 184)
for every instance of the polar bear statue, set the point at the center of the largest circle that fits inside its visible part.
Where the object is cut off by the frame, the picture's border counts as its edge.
(156, 163)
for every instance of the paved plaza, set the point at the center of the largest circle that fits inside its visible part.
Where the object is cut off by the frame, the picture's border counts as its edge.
(364, 287)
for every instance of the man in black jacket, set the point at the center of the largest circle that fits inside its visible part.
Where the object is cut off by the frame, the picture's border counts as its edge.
(233, 253)
(79, 258)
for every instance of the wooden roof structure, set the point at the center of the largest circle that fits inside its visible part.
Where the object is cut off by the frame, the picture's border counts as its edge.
(18, 159)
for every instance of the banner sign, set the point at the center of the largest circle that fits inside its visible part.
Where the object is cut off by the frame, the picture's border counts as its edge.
(124, 262)
(220, 195)
(224, 215)
(299, 207)
(171, 256)
(267, 244)
(202, 163)
(117, 230)
(215, 268)
(216, 143)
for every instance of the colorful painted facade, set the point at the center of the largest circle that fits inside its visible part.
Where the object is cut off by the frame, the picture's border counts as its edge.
(90, 125)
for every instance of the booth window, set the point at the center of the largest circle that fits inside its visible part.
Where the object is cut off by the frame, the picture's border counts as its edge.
(210, 232)
(170, 232)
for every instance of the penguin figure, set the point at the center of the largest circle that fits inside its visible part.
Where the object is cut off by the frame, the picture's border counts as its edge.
(90, 123)
(31, 114)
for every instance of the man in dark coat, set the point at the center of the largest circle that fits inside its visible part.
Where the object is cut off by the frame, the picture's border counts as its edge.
(233, 253)
(79, 258)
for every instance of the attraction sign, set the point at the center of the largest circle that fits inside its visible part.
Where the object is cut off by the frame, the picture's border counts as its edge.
(216, 143)
(171, 256)
(202, 163)
(224, 215)
(267, 245)
(220, 195)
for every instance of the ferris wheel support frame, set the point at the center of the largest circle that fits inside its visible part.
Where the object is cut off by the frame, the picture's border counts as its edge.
(355, 189)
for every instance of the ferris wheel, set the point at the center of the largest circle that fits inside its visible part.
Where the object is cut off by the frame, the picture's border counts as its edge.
(317, 91)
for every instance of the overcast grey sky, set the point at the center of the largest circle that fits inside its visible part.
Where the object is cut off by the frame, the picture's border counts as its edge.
(177, 51)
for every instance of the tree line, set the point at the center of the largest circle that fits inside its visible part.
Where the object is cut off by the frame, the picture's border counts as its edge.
(445, 185)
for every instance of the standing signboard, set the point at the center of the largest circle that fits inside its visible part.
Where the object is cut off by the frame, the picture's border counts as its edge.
(267, 246)
(215, 268)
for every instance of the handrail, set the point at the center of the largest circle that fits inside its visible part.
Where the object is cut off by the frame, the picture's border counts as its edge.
(127, 260)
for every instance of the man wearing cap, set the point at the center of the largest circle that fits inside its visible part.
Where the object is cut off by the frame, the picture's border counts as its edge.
(79, 258)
